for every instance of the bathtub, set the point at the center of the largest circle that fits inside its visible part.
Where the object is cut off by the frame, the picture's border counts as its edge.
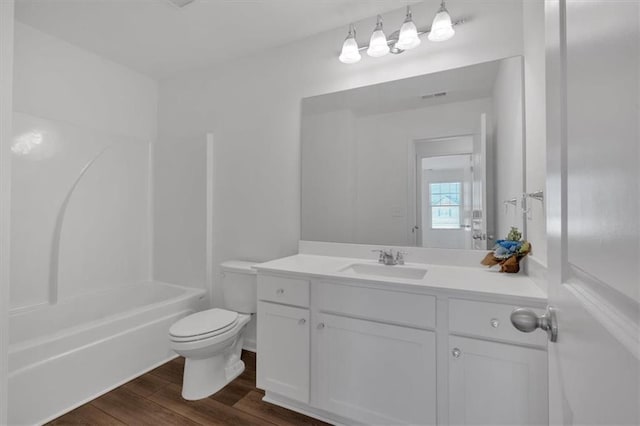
(63, 355)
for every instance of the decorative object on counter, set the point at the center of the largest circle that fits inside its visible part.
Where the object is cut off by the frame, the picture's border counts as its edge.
(508, 252)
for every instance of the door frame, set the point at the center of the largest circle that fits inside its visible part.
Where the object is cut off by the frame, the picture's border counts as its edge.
(6, 118)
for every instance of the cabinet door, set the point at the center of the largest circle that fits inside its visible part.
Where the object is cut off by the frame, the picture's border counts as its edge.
(283, 350)
(496, 384)
(372, 372)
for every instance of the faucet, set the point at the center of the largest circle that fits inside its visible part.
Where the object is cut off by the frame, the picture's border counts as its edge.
(387, 257)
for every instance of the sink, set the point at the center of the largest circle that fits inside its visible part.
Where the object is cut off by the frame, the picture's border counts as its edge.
(376, 269)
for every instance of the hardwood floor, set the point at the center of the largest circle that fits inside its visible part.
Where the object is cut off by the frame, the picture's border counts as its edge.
(154, 399)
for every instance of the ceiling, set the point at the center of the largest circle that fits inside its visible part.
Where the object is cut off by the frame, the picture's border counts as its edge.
(459, 84)
(159, 39)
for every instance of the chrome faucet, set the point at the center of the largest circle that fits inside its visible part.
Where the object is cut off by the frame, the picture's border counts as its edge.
(387, 257)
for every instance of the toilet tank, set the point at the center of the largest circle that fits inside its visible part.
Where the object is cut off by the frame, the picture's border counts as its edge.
(239, 286)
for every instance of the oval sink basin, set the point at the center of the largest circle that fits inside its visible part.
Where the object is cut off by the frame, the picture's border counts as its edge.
(376, 269)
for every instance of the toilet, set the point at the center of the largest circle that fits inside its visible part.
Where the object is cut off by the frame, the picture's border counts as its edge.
(211, 341)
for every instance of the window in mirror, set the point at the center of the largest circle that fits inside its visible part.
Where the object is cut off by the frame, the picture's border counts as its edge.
(445, 205)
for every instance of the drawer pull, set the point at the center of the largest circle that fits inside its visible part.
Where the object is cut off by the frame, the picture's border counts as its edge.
(280, 291)
(494, 323)
(456, 352)
(320, 326)
(302, 321)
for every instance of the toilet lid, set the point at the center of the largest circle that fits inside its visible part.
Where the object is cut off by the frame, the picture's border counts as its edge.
(204, 322)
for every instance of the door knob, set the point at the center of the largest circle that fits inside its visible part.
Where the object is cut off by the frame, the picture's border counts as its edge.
(456, 352)
(527, 321)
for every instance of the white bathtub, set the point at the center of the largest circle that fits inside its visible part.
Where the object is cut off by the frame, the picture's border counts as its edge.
(63, 355)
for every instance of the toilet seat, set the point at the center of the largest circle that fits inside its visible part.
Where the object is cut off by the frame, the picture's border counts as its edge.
(203, 325)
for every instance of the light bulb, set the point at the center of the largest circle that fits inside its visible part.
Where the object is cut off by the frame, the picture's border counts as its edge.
(350, 53)
(378, 44)
(408, 38)
(441, 28)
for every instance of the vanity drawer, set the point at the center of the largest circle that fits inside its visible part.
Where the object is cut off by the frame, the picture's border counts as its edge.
(396, 307)
(490, 320)
(290, 291)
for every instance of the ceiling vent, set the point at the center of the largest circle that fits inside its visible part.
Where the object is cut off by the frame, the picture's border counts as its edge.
(180, 3)
(434, 95)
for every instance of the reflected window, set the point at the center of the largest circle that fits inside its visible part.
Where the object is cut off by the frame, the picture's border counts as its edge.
(445, 200)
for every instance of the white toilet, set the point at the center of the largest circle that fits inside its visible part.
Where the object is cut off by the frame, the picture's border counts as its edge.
(211, 340)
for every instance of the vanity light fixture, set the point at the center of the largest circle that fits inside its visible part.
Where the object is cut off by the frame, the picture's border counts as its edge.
(441, 28)
(350, 53)
(378, 45)
(408, 37)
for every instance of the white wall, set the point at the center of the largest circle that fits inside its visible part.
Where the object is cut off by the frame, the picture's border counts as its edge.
(508, 145)
(6, 95)
(252, 105)
(535, 118)
(330, 160)
(79, 104)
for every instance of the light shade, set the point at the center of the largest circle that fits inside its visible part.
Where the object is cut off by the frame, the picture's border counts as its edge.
(408, 38)
(378, 44)
(350, 53)
(441, 28)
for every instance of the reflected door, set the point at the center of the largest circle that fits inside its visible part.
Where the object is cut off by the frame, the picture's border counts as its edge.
(444, 201)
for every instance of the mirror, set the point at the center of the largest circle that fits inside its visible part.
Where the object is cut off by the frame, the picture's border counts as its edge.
(430, 161)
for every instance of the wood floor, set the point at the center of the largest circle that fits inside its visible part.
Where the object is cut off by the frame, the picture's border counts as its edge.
(154, 399)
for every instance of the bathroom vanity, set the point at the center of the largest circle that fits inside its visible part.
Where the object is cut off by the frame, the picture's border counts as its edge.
(351, 341)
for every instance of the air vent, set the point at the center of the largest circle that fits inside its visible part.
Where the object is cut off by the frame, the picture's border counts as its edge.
(434, 95)
(180, 3)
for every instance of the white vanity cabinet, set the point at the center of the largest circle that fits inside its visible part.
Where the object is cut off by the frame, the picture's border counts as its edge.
(363, 352)
(373, 356)
(494, 383)
(283, 337)
(497, 375)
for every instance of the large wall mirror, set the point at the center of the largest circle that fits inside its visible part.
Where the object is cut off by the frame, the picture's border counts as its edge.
(429, 161)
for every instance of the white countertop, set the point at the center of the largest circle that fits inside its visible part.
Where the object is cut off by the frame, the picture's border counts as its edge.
(455, 279)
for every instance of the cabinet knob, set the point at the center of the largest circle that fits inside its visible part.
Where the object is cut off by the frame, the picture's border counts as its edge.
(495, 323)
(320, 326)
(302, 321)
(280, 291)
(456, 352)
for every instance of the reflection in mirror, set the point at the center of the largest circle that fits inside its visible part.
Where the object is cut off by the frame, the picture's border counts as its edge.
(427, 161)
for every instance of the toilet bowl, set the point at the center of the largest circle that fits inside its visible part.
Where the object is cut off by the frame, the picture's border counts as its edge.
(211, 341)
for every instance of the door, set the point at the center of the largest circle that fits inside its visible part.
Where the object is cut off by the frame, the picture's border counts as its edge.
(441, 175)
(593, 210)
(480, 205)
(445, 201)
(496, 384)
(374, 373)
(283, 350)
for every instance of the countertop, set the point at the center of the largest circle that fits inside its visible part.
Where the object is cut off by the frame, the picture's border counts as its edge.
(451, 279)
